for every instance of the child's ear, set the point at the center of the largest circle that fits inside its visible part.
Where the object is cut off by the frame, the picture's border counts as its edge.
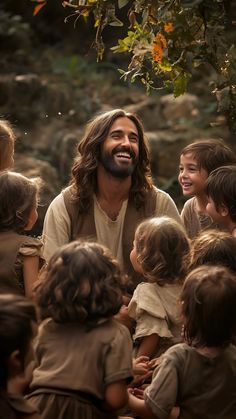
(223, 211)
(14, 364)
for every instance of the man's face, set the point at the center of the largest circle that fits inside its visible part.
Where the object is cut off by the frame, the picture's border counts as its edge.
(120, 150)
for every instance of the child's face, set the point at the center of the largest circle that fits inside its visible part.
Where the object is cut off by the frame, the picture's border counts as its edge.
(33, 216)
(218, 215)
(191, 178)
(133, 258)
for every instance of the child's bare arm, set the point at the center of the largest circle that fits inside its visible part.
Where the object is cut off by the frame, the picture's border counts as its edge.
(148, 345)
(140, 408)
(116, 395)
(30, 272)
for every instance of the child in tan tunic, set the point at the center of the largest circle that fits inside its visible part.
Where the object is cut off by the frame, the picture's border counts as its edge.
(160, 254)
(197, 160)
(19, 253)
(198, 376)
(84, 356)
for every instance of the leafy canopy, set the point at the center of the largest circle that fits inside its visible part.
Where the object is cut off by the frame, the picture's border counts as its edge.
(166, 41)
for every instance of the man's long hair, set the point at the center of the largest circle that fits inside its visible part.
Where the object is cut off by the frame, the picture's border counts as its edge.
(84, 170)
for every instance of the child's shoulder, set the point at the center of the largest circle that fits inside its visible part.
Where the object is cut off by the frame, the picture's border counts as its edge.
(31, 246)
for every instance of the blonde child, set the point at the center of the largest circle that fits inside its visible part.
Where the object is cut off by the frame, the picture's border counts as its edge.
(160, 254)
(199, 375)
(221, 192)
(197, 161)
(19, 254)
(214, 247)
(84, 356)
(7, 140)
(18, 324)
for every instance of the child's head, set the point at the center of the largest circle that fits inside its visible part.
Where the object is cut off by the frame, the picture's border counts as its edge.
(18, 202)
(221, 190)
(214, 247)
(82, 283)
(208, 306)
(7, 139)
(161, 250)
(17, 318)
(198, 159)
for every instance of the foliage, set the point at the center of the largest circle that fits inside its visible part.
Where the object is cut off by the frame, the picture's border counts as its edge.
(167, 40)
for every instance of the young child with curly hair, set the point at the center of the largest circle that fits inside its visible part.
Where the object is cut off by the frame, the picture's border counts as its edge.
(160, 254)
(198, 376)
(7, 140)
(213, 247)
(197, 160)
(84, 356)
(19, 254)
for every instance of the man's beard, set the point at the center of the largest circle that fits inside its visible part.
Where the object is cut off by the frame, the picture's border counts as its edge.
(117, 170)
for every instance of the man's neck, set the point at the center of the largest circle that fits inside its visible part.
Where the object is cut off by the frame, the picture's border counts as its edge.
(110, 188)
(111, 192)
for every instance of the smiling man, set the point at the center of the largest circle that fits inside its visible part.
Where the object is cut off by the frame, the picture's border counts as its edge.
(111, 190)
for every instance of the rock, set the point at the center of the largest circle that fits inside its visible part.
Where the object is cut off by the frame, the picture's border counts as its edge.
(165, 149)
(32, 167)
(179, 109)
(149, 111)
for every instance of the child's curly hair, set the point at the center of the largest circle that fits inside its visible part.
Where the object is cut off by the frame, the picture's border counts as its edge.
(82, 283)
(162, 250)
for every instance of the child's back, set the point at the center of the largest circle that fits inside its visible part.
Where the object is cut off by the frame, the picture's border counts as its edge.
(199, 376)
(83, 355)
(202, 386)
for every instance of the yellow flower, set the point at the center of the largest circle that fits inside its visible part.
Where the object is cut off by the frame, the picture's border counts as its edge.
(158, 46)
(168, 27)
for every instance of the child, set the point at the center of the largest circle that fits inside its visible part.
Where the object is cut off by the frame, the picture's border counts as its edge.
(214, 247)
(7, 139)
(17, 318)
(199, 376)
(221, 192)
(84, 355)
(197, 161)
(160, 254)
(19, 254)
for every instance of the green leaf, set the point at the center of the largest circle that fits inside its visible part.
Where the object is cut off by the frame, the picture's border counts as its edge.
(180, 84)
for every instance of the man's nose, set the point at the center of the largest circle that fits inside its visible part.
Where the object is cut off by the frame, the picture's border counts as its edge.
(126, 140)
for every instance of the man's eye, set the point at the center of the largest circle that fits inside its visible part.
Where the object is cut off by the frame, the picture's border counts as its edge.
(133, 139)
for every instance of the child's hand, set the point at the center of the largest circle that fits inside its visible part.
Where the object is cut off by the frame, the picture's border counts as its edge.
(137, 392)
(154, 362)
(141, 370)
(141, 365)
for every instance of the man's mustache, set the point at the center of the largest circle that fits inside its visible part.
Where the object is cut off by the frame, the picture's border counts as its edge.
(120, 149)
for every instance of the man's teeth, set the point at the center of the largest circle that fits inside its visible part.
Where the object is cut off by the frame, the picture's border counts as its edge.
(123, 154)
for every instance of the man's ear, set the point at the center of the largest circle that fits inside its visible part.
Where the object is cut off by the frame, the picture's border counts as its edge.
(14, 364)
